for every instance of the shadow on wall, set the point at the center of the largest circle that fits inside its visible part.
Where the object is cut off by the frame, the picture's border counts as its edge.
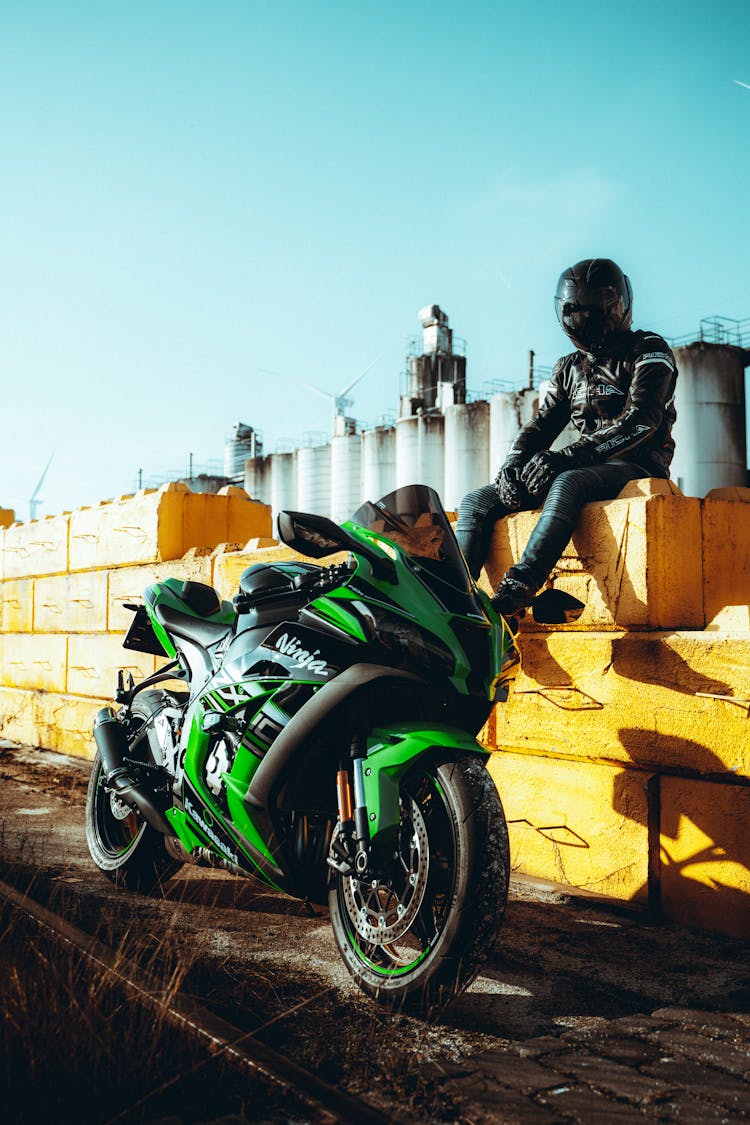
(697, 833)
(649, 659)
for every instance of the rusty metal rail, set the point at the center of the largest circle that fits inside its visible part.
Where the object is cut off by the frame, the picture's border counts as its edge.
(330, 1105)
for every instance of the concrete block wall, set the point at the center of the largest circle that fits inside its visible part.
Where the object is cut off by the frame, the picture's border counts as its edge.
(64, 581)
(623, 754)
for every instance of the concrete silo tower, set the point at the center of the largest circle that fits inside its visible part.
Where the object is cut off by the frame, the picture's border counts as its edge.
(710, 431)
(437, 377)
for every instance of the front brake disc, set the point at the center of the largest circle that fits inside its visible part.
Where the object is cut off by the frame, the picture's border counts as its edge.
(383, 910)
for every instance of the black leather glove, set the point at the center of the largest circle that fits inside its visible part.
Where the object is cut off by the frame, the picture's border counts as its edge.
(539, 472)
(508, 486)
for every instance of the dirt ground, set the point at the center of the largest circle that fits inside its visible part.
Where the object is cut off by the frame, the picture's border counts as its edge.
(584, 1013)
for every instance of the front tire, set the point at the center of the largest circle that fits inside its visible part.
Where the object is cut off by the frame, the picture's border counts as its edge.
(417, 933)
(122, 845)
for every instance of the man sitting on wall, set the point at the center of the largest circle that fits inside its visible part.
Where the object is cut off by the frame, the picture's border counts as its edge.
(617, 389)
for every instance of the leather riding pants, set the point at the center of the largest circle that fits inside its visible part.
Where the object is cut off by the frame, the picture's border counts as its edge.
(479, 510)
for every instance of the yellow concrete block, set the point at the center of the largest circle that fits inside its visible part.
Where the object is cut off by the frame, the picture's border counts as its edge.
(658, 700)
(705, 855)
(127, 583)
(261, 541)
(246, 518)
(635, 562)
(146, 527)
(205, 520)
(579, 824)
(17, 605)
(162, 525)
(229, 516)
(7, 517)
(93, 661)
(38, 547)
(726, 559)
(71, 603)
(50, 720)
(32, 661)
(17, 717)
(64, 723)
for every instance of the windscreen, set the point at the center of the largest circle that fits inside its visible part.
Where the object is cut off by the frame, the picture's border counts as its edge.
(413, 518)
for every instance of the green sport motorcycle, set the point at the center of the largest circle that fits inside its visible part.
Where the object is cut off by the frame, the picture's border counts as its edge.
(325, 742)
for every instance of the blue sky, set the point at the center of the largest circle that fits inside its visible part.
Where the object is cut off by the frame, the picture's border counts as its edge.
(192, 192)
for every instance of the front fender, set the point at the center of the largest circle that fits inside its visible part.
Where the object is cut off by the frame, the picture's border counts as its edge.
(391, 753)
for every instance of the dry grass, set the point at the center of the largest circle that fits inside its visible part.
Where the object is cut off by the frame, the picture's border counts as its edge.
(76, 1047)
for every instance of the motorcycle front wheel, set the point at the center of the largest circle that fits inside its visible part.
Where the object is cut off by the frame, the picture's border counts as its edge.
(415, 932)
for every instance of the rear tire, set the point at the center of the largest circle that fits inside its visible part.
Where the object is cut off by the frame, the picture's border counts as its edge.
(122, 845)
(420, 936)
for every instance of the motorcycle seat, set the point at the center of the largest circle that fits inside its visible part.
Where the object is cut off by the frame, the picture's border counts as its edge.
(191, 628)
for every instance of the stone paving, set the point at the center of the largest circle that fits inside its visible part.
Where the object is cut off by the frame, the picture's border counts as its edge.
(586, 1013)
(676, 1064)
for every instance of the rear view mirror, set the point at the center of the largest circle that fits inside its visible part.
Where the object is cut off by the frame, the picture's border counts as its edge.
(317, 536)
(314, 536)
(555, 607)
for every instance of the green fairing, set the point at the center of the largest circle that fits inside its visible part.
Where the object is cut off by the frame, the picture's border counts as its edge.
(245, 765)
(421, 608)
(184, 829)
(391, 753)
(328, 608)
(238, 810)
(162, 635)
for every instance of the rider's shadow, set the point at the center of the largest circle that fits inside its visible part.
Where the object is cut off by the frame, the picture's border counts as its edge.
(697, 833)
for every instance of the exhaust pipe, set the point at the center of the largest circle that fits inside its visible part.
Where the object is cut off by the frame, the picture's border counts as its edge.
(112, 744)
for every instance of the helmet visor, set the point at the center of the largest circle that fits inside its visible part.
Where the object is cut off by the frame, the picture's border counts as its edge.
(586, 325)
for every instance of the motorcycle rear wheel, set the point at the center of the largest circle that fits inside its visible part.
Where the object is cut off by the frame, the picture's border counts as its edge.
(122, 845)
(417, 933)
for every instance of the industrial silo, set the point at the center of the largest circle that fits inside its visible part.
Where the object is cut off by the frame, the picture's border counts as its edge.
(346, 475)
(709, 434)
(467, 438)
(243, 443)
(257, 479)
(438, 374)
(283, 488)
(509, 412)
(378, 462)
(314, 479)
(419, 450)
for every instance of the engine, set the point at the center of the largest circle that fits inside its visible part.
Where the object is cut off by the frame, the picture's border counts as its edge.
(220, 760)
(166, 725)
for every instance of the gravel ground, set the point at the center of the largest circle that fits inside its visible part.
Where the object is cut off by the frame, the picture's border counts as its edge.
(585, 1012)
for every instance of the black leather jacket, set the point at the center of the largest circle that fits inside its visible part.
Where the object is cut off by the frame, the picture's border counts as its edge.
(622, 404)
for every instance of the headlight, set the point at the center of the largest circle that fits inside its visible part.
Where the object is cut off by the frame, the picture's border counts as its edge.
(403, 639)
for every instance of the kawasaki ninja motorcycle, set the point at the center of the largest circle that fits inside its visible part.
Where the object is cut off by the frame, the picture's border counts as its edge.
(323, 739)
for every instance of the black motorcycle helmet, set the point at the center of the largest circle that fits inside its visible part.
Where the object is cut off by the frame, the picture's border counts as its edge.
(594, 302)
